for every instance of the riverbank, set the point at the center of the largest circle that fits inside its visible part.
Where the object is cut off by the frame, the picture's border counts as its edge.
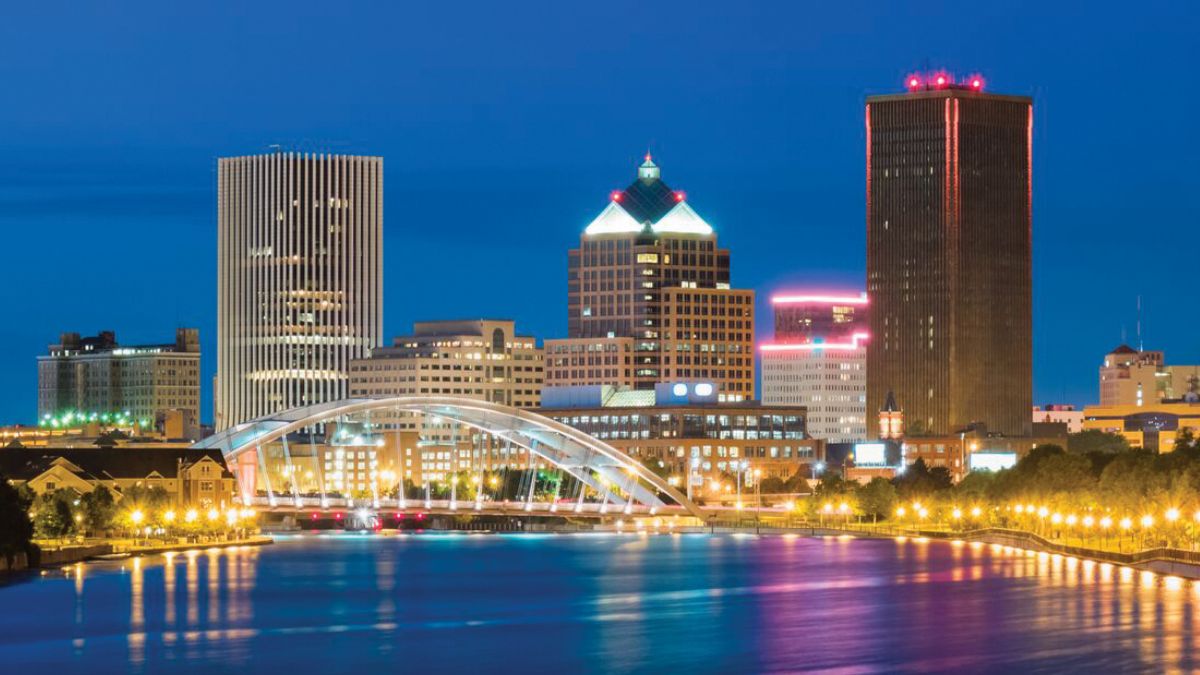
(69, 555)
(1171, 561)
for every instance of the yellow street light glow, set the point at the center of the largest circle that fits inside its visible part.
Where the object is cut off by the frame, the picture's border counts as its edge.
(1043, 512)
(191, 516)
(1019, 508)
(1071, 519)
(790, 506)
(843, 507)
(956, 514)
(1056, 518)
(975, 512)
(1196, 516)
(739, 505)
(1106, 522)
(213, 514)
(1088, 521)
(916, 506)
(169, 516)
(1172, 515)
(1126, 523)
(828, 508)
(922, 512)
(900, 511)
(1147, 521)
(247, 513)
(136, 517)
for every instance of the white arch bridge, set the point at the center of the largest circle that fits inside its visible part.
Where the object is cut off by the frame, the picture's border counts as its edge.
(357, 453)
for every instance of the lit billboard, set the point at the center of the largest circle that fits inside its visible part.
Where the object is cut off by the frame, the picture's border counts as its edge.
(992, 460)
(870, 454)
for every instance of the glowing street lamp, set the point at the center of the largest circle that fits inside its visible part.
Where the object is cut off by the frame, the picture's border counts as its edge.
(136, 517)
(975, 512)
(169, 517)
(1172, 515)
(191, 516)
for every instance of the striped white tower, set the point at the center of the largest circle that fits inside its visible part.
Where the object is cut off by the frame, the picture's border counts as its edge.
(299, 279)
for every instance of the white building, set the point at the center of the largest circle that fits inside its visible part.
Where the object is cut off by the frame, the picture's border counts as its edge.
(299, 279)
(830, 379)
(819, 360)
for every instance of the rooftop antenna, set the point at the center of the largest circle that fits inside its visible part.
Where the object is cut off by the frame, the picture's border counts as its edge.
(1139, 323)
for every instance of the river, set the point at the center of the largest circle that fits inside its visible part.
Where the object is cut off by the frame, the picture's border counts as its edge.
(598, 603)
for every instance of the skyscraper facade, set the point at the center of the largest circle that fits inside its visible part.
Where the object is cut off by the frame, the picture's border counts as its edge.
(299, 279)
(648, 268)
(818, 360)
(949, 217)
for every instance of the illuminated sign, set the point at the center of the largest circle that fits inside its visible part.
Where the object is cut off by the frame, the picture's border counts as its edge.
(992, 460)
(870, 454)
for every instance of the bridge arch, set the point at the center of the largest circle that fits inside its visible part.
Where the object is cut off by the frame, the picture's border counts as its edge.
(582, 456)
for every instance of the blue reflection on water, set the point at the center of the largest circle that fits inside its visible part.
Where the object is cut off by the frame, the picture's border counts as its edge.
(588, 603)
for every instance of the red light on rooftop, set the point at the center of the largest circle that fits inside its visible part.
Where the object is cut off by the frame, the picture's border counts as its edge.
(680, 196)
(914, 82)
(940, 80)
(976, 82)
(616, 195)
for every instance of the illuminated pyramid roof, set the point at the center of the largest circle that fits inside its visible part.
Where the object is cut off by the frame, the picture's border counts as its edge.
(648, 200)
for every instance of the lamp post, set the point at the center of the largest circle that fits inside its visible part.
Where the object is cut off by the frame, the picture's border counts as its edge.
(757, 499)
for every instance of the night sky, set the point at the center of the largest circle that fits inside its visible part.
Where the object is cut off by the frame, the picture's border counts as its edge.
(504, 126)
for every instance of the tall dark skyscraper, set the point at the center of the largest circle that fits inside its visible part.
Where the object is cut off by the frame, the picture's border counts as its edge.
(949, 218)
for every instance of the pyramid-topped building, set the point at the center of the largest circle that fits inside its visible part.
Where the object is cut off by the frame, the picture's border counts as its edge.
(650, 299)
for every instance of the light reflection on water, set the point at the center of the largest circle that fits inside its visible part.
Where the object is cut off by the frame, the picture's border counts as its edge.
(601, 603)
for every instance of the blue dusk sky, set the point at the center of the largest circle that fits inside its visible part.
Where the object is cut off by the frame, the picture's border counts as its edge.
(504, 126)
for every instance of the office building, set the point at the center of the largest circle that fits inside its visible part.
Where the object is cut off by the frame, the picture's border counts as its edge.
(1059, 413)
(1154, 426)
(949, 176)
(94, 379)
(481, 358)
(299, 279)
(648, 270)
(484, 359)
(818, 360)
(702, 443)
(1132, 377)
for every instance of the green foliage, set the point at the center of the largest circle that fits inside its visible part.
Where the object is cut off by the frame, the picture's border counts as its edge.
(918, 480)
(99, 509)
(877, 498)
(773, 485)
(146, 499)
(1094, 440)
(15, 527)
(53, 517)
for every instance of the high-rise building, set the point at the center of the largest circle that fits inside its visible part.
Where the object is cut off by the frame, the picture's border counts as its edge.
(1136, 378)
(482, 359)
(949, 187)
(648, 269)
(818, 360)
(299, 279)
(94, 379)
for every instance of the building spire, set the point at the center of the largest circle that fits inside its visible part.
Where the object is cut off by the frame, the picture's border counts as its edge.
(648, 172)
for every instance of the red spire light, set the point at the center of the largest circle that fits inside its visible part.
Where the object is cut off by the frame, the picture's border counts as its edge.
(914, 82)
(680, 196)
(976, 83)
(940, 80)
(616, 195)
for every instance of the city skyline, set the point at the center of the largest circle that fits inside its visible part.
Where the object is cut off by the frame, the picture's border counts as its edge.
(156, 209)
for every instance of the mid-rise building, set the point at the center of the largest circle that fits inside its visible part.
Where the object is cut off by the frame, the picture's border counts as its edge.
(648, 270)
(95, 379)
(479, 358)
(818, 360)
(1132, 377)
(1152, 426)
(949, 218)
(299, 279)
(484, 359)
(1059, 413)
(701, 443)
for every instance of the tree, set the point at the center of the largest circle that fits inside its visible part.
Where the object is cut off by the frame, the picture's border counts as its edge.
(877, 498)
(1094, 440)
(772, 485)
(976, 484)
(1062, 473)
(918, 480)
(16, 529)
(53, 518)
(146, 499)
(99, 508)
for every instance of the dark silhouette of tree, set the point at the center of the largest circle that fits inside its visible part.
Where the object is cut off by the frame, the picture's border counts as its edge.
(16, 529)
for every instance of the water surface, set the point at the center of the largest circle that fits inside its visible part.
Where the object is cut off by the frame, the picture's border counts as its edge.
(598, 603)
